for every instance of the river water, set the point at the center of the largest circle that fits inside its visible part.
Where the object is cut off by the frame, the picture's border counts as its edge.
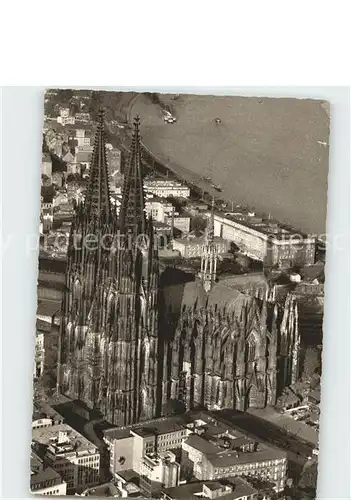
(269, 154)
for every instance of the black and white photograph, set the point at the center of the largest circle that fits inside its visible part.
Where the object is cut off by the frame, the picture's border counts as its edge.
(180, 296)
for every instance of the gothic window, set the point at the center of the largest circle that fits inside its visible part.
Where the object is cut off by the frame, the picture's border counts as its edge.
(66, 378)
(252, 396)
(143, 306)
(110, 301)
(224, 350)
(251, 349)
(69, 328)
(77, 289)
(217, 394)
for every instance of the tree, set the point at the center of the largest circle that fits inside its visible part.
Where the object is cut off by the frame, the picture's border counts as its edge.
(198, 224)
(186, 467)
(65, 95)
(177, 203)
(311, 362)
(174, 407)
(308, 479)
(233, 248)
(48, 380)
(44, 146)
(243, 261)
(155, 98)
(65, 148)
(74, 107)
(48, 191)
(187, 474)
(73, 177)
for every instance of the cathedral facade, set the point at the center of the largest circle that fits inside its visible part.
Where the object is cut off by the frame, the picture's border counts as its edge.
(109, 332)
(129, 345)
(229, 350)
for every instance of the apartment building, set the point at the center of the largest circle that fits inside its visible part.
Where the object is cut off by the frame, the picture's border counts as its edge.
(128, 446)
(45, 480)
(68, 453)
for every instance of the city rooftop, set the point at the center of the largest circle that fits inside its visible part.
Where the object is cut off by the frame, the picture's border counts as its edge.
(230, 489)
(72, 441)
(159, 426)
(266, 226)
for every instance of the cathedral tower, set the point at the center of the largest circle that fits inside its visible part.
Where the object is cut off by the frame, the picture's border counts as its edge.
(219, 348)
(209, 256)
(132, 215)
(108, 339)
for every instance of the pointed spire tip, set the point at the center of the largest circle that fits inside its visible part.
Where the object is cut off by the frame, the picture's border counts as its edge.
(136, 122)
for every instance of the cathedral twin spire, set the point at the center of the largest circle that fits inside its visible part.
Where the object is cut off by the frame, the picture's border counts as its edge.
(132, 214)
(110, 317)
(97, 202)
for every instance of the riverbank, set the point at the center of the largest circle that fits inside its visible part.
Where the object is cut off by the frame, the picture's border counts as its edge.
(264, 152)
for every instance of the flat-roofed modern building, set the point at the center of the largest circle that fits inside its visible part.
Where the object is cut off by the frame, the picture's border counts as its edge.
(127, 446)
(45, 416)
(158, 208)
(45, 480)
(192, 247)
(65, 450)
(157, 471)
(266, 240)
(165, 188)
(232, 489)
(219, 451)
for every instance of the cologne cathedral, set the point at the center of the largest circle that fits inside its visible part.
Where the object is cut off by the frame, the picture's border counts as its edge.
(129, 344)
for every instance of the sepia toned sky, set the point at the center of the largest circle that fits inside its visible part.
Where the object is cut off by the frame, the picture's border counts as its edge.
(271, 154)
